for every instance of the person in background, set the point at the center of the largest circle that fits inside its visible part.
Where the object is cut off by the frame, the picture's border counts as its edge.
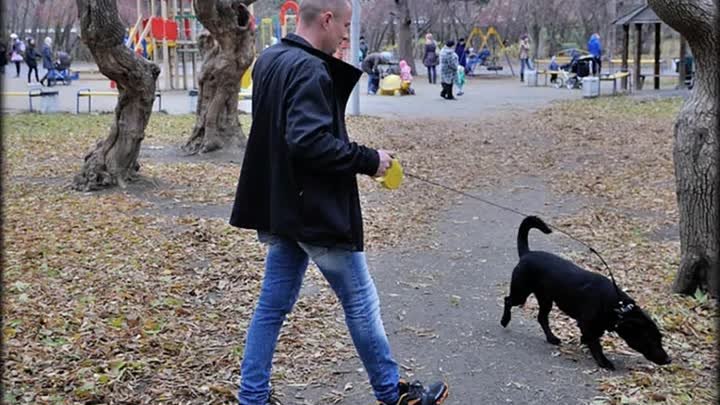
(342, 51)
(31, 57)
(430, 58)
(406, 77)
(553, 67)
(17, 52)
(524, 56)
(47, 59)
(371, 66)
(461, 52)
(3, 57)
(460, 80)
(448, 69)
(363, 49)
(483, 55)
(595, 49)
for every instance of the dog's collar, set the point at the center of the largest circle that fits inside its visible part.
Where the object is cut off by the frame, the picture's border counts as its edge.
(620, 311)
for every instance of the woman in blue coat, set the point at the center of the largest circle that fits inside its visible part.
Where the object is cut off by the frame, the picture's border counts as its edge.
(595, 49)
(47, 58)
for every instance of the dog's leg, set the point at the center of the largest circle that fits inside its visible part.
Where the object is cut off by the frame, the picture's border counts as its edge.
(545, 308)
(506, 312)
(597, 352)
(518, 294)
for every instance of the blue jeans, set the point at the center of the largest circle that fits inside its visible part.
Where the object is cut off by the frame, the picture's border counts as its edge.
(432, 74)
(524, 62)
(373, 83)
(348, 275)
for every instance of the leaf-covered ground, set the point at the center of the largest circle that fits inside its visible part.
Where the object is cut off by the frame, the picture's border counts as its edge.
(137, 296)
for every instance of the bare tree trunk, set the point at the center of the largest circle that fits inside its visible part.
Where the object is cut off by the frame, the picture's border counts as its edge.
(697, 147)
(378, 39)
(392, 29)
(230, 54)
(114, 160)
(405, 38)
(66, 36)
(14, 18)
(535, 36)
(23, 26)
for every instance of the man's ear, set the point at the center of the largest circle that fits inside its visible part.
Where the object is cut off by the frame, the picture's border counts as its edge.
(327, 17)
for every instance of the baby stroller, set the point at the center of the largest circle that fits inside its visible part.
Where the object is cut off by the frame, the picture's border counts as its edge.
(61, 70)
(573, 72)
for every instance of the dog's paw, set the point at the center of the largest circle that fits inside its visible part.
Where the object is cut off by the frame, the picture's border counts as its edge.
(554, 340)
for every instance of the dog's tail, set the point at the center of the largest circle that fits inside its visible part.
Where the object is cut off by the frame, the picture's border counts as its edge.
(527, 224)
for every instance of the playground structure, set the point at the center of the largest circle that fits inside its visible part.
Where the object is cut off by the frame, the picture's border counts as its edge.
(479, 40)
(278, 26)
(168, 37)
(271, 30)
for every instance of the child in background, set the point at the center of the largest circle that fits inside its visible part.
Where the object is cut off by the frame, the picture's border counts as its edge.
(406, 77)
(553, 67)
(460, 80)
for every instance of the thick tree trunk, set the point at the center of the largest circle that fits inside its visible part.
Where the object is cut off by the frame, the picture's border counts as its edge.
(405, 38)
(231, 51)
(114, 160)
(697, 147)
(535, 36)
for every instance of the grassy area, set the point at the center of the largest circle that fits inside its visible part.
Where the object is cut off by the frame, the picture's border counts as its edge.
(54, 146)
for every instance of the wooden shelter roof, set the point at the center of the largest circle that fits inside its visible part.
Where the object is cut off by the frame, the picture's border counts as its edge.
(640, 15)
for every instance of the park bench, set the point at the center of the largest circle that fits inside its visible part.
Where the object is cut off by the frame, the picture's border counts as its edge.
(643, 76)
(615, 77)
(30, 94)
(33, 93)
(98, 93)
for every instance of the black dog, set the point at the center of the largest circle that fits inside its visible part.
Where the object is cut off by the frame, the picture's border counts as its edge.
(595, 302)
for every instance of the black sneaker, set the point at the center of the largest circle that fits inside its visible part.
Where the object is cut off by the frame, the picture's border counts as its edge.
(272, 399)
(415, 394)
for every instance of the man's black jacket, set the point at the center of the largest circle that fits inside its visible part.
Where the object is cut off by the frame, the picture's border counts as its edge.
(298, 174)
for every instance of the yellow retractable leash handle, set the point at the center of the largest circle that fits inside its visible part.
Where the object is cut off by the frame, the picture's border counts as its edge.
(393, 177)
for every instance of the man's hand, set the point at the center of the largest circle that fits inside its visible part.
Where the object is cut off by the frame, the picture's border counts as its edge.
(385, 161)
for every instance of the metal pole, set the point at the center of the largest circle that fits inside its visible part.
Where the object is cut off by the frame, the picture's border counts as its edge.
(656, 70)
(354, 52)
(638, 55)
(167, 69)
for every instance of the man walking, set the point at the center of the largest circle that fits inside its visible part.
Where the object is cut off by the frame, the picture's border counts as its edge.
(298, 189)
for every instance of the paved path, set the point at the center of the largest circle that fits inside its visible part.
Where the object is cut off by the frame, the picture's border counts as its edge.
(489, 94)
(442, 312)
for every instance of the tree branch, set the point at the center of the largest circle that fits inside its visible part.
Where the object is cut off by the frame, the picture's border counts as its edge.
(691, 18)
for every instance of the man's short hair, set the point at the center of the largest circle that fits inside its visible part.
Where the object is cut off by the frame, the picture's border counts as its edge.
(311, 9)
